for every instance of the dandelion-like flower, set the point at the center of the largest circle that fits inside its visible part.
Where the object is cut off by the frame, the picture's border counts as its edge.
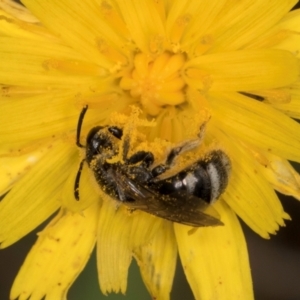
(232, 65)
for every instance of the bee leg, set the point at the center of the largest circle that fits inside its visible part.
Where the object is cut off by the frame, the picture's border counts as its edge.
(79, 125)
(162, 168)
(185, 146)
(77, 180)
(145, 157)
(126, 146)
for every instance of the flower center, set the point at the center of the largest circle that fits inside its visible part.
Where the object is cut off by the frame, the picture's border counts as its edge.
(156, 83)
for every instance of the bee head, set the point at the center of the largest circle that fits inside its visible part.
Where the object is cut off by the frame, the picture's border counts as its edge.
(102, 140)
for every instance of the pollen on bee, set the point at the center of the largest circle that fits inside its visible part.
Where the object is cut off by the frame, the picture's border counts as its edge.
(133, 125)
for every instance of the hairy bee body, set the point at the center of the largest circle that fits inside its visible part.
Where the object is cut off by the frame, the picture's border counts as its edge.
(184, 197)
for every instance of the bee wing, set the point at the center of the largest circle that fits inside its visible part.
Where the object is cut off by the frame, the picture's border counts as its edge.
(136, 195)
(180, 207)
(188, 209)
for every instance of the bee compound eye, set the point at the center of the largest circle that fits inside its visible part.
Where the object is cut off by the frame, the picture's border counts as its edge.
(92, 134)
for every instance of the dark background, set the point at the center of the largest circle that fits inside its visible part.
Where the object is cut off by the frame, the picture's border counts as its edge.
(275, 266)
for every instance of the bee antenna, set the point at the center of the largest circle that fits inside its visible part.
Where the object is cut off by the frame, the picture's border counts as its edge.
(77, 180)
(79, 125)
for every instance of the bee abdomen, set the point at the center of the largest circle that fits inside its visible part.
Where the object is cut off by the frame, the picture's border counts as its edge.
(205, 179)
(208, 178)
(218, 166)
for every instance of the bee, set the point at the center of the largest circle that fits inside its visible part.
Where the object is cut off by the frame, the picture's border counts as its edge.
(137, 182)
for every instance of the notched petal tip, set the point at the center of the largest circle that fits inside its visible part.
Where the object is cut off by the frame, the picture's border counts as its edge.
(119, 233)
(58, 256)
(157, 261)
(215, 259)
(280, 173)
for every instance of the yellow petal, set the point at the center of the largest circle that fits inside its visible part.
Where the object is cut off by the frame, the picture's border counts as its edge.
(13, 27)
(92, 36)
(145, 25)
(242, 70)
(291, 26)
(279, 172)
(184, 26)
(48, 65)
(112, 16)
(257, 124)
(119, 232)
(13, 168)
(242, 22)
(215, 260)
(36, 195)
(284, 35)
(291, 108)
(223, 25)
(59, 255)
(157, 261)
(273, 97)
(56, 116)
(17, 10)
(249, 194)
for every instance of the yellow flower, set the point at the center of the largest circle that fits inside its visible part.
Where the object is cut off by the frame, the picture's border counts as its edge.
(182, 63)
